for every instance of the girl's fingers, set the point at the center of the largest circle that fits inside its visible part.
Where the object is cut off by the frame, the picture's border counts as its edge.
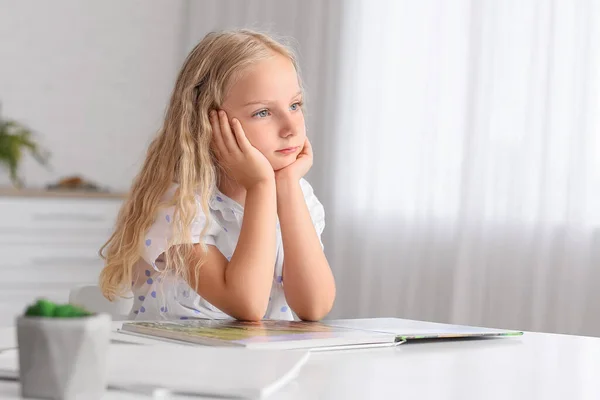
(307, 147)
(228, 138)
(217, 136)
(240, 136)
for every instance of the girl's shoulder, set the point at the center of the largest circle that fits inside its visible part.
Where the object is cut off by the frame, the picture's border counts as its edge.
(221, 211)
(217, 201)
(208, 229)
(172, 191)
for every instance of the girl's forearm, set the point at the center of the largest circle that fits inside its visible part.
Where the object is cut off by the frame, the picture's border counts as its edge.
(309, 285)
(249, 273)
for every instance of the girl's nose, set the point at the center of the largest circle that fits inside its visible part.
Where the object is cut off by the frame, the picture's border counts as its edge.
(286, 132)
(287, 128)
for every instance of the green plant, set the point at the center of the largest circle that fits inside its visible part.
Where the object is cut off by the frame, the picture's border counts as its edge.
(14, 138)
(48, 309)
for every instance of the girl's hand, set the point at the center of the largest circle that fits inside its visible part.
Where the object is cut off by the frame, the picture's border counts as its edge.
(243, 162)
(298, 168)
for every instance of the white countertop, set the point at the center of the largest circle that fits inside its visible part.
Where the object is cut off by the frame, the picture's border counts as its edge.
(533, 366)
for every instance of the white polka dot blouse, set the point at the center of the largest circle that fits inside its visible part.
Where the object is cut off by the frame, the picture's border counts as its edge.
(158, 296)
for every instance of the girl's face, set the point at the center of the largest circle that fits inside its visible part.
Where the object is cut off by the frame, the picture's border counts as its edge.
(267, 101)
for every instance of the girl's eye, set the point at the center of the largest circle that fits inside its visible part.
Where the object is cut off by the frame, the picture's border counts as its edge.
(296, 106)
(261, 113)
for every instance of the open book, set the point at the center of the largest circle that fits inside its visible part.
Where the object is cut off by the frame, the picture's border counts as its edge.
(272, 334)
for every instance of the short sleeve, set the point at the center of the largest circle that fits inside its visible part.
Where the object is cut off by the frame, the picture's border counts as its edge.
(316, 209)
(161, 232)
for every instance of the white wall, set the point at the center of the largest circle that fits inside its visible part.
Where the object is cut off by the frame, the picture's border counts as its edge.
(92, 78)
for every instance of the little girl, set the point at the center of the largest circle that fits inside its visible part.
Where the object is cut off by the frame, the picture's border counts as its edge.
(221, 196)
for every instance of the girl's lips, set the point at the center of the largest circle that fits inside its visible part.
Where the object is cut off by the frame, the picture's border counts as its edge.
(288, 150)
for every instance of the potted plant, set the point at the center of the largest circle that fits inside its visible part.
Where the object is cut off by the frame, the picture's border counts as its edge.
(14, 139)
(62, 351)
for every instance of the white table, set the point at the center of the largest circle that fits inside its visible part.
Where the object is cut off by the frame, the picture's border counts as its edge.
(534, 366)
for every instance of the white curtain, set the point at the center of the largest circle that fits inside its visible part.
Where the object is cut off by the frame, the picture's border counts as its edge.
(463, 182)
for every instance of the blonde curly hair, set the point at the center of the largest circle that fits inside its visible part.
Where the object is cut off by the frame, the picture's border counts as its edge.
(181, 153)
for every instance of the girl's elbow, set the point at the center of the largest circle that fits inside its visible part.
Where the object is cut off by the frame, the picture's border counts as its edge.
(312, 316)
(252, 311)
(315, 312)
(250, 316)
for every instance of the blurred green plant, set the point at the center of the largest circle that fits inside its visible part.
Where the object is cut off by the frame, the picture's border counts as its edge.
(49, 309)
(15, 138)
